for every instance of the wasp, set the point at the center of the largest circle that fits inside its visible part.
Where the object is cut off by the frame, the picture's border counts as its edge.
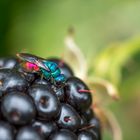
(49, 70)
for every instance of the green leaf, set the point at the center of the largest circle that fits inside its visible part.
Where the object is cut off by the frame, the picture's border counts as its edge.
(112, 59)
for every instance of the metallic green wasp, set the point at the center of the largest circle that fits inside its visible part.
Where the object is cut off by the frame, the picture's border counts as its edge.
(50, 70)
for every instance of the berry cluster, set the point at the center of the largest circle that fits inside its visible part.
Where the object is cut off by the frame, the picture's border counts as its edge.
(33, 108)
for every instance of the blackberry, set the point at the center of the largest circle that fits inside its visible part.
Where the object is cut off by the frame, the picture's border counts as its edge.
(86, 135)
(11, 80)
(28, 133)
(60, 93)
(35, 107)
(45, 128)
(42, 81)
(8, 63)
(80, 100)
(97, 127)
(6, 131)
(47, 104)
(84, 121)
(18, 108)
(68, 117)
(63, 134)
(88, 114)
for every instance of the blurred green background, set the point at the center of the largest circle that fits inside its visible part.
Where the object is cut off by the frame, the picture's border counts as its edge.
(107, 31)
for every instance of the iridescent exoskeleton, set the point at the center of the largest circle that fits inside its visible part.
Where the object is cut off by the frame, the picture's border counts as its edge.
(49, 70)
